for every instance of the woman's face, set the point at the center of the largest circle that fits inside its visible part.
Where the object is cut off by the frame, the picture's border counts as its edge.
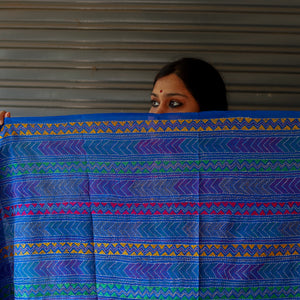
(170, 95)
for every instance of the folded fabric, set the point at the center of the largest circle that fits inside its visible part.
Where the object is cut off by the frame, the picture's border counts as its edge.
(142, 206)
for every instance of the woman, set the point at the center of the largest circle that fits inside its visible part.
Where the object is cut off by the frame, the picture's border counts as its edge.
(188, 85)
(185, 85)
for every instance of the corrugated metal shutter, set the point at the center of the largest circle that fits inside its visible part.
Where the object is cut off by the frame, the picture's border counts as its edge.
(65, 57)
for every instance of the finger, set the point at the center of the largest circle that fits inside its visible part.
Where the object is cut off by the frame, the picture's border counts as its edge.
(2, 113)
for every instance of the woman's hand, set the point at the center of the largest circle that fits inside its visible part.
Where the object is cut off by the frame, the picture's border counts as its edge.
(3, 114)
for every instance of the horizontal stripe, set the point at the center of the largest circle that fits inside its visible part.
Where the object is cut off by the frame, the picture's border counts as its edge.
(152, 126)
(141, 249)
(152, 208)
(147, 167)
(153, 292)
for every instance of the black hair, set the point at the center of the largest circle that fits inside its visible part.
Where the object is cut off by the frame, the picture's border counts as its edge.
(201, 79)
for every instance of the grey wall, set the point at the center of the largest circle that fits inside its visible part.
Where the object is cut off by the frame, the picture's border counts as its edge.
(73, 57)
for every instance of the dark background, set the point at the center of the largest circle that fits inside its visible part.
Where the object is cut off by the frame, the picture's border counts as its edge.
(74, 57)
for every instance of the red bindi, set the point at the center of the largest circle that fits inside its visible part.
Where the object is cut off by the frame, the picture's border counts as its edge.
(161, 91)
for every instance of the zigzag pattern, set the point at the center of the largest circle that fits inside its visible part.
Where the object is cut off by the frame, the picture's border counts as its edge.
(274, 270)
(56, 228)
(45, 269)
(102, 147)
(147, 167)
(148, 292)
(166, 270)
(165, 187)
(251, 230)
(285, 229)
(108, 290)
(173, 208)
(138, 249)
(102, 228)
(142, 270)
(261, 292)
(149, 126)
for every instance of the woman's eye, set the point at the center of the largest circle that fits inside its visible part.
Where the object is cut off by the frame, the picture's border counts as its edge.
(174, 103)
(154, 103)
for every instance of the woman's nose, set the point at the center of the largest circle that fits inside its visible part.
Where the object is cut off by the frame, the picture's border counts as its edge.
(161, 110)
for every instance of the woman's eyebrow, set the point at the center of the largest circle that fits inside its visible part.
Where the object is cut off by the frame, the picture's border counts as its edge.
(171, 95)
(176, 94)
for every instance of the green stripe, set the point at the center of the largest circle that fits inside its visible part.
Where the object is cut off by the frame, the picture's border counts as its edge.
(149, 292)
(150, 167)
(104, 290)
